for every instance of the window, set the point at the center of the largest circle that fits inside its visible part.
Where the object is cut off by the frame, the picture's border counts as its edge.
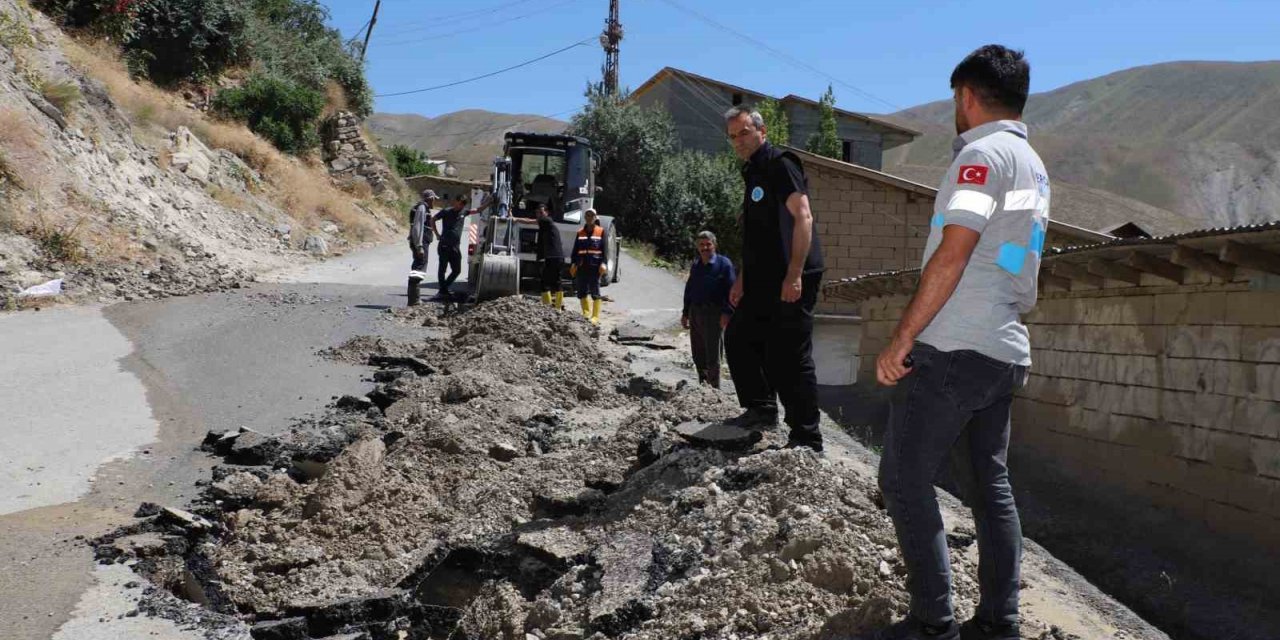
(737, 99)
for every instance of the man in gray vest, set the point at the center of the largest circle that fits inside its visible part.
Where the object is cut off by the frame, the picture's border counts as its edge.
(419, 241)
(960, 352)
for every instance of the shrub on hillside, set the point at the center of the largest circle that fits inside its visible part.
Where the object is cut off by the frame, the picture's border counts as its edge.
(172, 41)
(409, 162)
(290, 39)
(166, 40)
(277, 109)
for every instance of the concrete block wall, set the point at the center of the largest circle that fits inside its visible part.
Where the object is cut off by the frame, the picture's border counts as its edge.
(1168, 394)
(865, 227)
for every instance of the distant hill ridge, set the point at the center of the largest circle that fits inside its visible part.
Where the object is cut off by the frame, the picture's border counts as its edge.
(1201, 139)
(469, 138)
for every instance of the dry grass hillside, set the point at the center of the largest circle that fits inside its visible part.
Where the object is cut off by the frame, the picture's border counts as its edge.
(469, 139)
(1197, 138)
(99, 184)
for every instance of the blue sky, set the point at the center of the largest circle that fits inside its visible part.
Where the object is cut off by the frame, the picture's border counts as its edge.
(885, 55)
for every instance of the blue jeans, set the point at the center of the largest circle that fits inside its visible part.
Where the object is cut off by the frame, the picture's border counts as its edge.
(948, 396)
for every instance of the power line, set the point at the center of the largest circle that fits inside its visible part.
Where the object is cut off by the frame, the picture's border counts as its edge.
(482, 27)
(413, 26)
(487, 75)
(780, 54)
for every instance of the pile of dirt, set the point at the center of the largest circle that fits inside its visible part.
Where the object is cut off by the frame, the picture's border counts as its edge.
(512, 479)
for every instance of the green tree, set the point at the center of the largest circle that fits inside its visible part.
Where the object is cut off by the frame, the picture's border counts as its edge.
(775, 121)
(632, 143)
(697, 191)
(826, 141)
(409, 162)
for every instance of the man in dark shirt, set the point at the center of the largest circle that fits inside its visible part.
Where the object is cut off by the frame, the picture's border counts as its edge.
(706, 307)
(551, 255)
(449, 249)
(769, 341)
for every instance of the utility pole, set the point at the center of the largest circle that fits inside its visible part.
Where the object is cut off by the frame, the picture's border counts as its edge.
(368, 32)
(610, 40)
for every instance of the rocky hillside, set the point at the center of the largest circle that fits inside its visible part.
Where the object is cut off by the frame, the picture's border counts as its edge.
(469, 139)
(127, 191)
(1196, 138)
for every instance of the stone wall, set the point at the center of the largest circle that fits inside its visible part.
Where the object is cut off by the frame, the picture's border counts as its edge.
(1167, 393)
(350, 157)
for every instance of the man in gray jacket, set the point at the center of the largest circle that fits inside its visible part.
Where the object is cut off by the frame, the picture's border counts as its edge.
(420, 232)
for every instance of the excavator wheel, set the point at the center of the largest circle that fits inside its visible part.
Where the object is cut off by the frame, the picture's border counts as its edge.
(499, 276)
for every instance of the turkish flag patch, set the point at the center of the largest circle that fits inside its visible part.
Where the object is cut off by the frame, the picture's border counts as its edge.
(972, 174)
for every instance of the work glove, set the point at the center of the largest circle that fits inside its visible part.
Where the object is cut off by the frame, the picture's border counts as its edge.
(573, 270)
(602, 269)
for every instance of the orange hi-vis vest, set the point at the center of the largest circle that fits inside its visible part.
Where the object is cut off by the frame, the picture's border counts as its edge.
(588, 250)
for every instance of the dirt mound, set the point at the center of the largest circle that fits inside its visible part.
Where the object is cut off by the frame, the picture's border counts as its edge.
(484, 495)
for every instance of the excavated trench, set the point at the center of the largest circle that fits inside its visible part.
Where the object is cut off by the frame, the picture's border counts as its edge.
(508, 476)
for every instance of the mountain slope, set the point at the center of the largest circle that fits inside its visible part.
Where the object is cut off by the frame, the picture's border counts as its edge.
(1196, 138)
(469, 138)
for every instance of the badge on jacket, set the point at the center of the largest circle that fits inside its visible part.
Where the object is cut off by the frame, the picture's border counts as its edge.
(757, 194)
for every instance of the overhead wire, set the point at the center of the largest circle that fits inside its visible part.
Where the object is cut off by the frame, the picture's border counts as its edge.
(457, 17)
(487, 25)
(487, 75)
(780, 54)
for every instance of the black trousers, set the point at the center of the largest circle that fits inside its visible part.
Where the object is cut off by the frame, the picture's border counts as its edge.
(550, 275)
(704, 342)
(450, 257)
(769, 344)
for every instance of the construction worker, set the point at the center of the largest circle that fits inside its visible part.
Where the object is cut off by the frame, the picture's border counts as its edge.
(588, 265)
(706, 307)
(551, 254)
(420, 233)
(450, 248)
(960, 353)
(769, 341)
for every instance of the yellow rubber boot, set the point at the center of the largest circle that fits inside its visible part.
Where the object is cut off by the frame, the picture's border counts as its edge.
(559, 305)
(586, 308)
(546, 298)
(595, 311)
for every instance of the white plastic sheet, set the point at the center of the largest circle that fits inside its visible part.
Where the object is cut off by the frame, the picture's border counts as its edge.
(50, 288)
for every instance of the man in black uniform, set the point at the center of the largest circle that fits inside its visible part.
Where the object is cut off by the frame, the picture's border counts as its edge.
(551, 254)
(769, 341)
(449, 250)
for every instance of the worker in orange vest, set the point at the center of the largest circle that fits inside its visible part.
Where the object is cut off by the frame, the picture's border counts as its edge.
(588, 265)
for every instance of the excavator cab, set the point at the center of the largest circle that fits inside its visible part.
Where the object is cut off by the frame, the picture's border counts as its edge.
(536, 168)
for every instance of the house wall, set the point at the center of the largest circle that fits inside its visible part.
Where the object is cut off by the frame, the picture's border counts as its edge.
(866, 146)
(1167, 393)
(867, 226)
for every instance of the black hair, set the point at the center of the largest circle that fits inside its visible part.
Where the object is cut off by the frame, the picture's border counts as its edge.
(1001, 77)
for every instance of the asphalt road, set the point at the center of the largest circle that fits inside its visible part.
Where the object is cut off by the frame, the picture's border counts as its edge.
(104, 408)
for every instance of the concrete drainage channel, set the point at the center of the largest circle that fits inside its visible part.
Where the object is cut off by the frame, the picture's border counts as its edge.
(507, 478)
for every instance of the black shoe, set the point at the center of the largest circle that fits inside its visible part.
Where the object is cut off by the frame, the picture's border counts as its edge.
(807, 444)
(754, 419)
(443, 296)
(975, 629)
(912, 629)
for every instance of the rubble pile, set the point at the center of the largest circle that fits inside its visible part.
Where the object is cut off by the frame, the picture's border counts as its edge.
(508, 478)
